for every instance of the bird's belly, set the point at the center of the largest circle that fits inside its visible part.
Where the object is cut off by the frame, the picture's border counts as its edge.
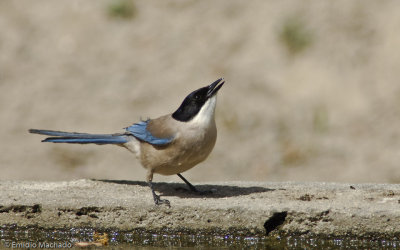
(176, 158)
(181, 162)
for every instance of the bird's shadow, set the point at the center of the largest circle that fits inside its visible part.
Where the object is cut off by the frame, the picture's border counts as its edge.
(181, 190)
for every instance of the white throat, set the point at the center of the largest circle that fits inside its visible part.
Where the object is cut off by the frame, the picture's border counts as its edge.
(206, 113)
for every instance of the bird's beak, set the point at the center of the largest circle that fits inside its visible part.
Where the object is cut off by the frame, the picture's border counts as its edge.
(214, 87)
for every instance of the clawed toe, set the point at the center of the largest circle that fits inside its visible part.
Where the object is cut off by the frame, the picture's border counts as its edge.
(159, 201)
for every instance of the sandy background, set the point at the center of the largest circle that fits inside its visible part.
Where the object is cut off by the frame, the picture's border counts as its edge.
(312, 92)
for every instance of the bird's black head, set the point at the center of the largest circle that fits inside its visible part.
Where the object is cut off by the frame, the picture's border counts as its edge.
(193, 103)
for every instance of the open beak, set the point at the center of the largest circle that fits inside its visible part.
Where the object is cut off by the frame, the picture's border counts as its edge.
(214, 87)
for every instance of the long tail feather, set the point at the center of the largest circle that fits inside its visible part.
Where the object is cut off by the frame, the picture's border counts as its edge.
(82, 138)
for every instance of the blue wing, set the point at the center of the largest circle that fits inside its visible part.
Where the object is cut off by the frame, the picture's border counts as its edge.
(139, 130)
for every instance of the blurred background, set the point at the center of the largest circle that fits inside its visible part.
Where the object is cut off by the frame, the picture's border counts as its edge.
(312, 87)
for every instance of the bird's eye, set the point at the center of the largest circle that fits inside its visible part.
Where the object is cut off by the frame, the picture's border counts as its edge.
(196, 97)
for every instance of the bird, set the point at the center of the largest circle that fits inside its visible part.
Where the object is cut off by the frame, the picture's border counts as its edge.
(167, 145)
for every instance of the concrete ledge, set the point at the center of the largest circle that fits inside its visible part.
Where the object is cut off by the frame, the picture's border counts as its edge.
(254, 208)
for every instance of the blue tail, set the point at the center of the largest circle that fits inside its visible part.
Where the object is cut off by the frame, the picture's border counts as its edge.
(81, 138)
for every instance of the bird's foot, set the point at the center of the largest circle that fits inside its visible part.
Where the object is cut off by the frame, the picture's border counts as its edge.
(193, 188)
(159, 201)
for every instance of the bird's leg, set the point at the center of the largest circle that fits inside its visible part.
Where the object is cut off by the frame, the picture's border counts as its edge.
(193, 188)
(157, 199)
